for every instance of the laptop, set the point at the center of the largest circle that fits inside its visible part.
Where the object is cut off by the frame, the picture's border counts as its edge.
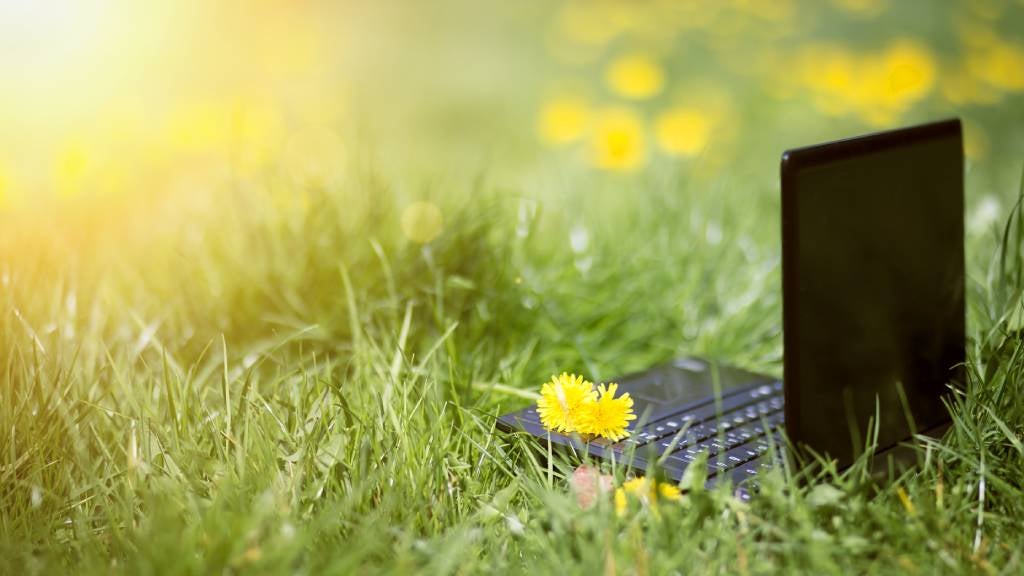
(873, 323)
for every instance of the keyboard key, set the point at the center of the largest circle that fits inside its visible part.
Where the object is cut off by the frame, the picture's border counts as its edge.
(737, 409)
(731, 439)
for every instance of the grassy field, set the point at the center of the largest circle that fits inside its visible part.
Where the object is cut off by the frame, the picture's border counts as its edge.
(281, 365)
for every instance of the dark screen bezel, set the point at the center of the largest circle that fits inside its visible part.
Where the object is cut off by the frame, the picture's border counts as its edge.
(792, 163)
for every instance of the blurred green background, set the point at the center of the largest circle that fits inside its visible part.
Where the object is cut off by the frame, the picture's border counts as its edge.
(135, 138)
(104, 99)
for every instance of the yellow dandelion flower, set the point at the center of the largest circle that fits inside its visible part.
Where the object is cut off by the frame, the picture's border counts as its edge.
(830, 73)
(561, 402)
(635, 76)
(608, 416)
(617, 142)
(670, 492)
(909, 72)
(648, 492)
(563, 120)
(620, 501)
(683, 131)
(877, 87)
(636, 486)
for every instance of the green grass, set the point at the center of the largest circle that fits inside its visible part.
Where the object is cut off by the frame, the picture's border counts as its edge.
(301, 390)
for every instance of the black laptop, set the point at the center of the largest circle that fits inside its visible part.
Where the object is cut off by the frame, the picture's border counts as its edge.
(873, 322)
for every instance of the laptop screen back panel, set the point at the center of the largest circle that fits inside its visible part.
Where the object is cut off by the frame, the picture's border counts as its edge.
(873, 283)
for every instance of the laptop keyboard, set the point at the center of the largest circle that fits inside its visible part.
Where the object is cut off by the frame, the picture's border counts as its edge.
(737, 433)
(741, 430)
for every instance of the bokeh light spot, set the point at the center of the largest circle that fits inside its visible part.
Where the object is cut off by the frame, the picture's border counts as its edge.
(910, 72)
(314, 156)
(422, 222)
(617, 142)
(69, 170)
(1002, 66)
(635, 76)
(683, 131)
(5, 184)
(563, 120)
(877, 87)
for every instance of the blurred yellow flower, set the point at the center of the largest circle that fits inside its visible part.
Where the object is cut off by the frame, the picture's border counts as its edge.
(621, 502)
(582, 23)
(561, 402)
(635, 76)
(636, 486)
(683, 131)
(647, 491)
(877, 87)
(422, 222)
(200, 127)
(245, 131)
(909, 69)
(1001, 65)
(608, 416)
(563, 120)
(669, 492)
(617, 140)
(828, 71)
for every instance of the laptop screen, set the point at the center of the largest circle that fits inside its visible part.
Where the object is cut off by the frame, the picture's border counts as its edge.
(873, 283)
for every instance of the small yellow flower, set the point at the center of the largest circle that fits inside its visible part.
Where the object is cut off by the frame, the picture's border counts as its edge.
(668, 491)
(909, 72)
(562, 401)
(648, 492)
(620, 501)
(635, 76)
(617, 142)
(683, 131)
(636, 486)
(608, 416)
(563, 120)
(878, 87)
